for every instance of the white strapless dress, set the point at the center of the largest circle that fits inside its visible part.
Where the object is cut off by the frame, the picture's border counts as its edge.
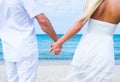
(93, 60)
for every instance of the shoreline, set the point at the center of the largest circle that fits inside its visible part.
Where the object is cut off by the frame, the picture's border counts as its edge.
(117, 62)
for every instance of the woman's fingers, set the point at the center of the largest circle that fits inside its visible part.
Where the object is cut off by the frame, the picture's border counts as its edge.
(57, 51)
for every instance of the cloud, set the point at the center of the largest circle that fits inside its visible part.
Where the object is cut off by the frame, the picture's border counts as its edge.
(63, 13)
(59, 7)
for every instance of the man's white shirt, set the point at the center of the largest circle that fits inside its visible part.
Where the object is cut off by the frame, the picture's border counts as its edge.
(17, 30)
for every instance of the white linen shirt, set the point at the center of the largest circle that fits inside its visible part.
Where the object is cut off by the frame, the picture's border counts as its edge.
(17, 31)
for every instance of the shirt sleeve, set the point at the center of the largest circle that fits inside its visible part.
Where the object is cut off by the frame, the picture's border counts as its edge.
(32, 7)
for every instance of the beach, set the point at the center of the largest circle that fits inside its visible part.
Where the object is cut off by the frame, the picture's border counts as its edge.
(53, 71)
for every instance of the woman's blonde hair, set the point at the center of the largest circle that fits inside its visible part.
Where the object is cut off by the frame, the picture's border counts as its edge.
(90, 8)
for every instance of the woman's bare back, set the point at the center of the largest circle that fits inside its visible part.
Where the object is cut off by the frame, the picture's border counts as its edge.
(108, 11)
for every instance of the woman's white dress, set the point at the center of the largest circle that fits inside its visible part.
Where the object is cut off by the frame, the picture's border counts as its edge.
(93, 60)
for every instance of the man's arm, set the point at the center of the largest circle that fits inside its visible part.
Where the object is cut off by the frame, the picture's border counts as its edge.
(46, 26)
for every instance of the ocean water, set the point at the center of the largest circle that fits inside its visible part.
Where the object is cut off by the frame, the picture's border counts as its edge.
(69, 47)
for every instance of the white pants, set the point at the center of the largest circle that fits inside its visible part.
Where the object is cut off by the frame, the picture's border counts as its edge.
(23, 71)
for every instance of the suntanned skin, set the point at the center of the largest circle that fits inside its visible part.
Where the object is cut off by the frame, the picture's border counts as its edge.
(108, 11)
(47, 27)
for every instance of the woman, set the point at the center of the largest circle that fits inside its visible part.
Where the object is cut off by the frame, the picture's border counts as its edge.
(94, 57)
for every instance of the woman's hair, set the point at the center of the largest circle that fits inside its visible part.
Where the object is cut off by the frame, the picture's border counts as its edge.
(90, 8)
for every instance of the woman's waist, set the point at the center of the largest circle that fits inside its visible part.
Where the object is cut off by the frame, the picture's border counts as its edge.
(101, 30)
(100, 27)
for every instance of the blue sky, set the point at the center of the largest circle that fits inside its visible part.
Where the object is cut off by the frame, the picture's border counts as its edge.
(63, 14)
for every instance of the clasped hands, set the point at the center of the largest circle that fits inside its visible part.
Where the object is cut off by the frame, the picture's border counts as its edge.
(55, 48)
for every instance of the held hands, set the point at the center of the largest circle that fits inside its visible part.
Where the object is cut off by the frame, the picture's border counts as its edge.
(56, 48)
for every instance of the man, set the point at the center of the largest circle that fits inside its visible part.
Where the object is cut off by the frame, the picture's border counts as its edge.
(18, 37)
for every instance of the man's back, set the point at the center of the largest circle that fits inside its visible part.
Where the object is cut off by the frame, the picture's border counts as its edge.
(108, 11)
(17, 27)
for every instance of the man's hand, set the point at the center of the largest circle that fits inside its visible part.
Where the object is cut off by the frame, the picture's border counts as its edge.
(56, 48)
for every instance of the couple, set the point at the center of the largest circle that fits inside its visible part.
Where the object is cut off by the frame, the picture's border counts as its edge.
(94, 57)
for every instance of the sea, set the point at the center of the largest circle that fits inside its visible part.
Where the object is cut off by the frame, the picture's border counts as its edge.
(44, 42)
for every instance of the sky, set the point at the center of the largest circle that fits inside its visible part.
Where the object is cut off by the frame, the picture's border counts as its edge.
(63, 14)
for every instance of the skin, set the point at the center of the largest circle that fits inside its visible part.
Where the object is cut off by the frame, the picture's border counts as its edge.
(108, 11)
(47, 27)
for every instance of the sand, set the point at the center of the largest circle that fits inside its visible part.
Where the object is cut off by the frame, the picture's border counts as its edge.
(53, 71)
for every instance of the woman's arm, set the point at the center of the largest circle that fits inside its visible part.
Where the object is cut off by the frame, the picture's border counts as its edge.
(88, 11)
(71, 32)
